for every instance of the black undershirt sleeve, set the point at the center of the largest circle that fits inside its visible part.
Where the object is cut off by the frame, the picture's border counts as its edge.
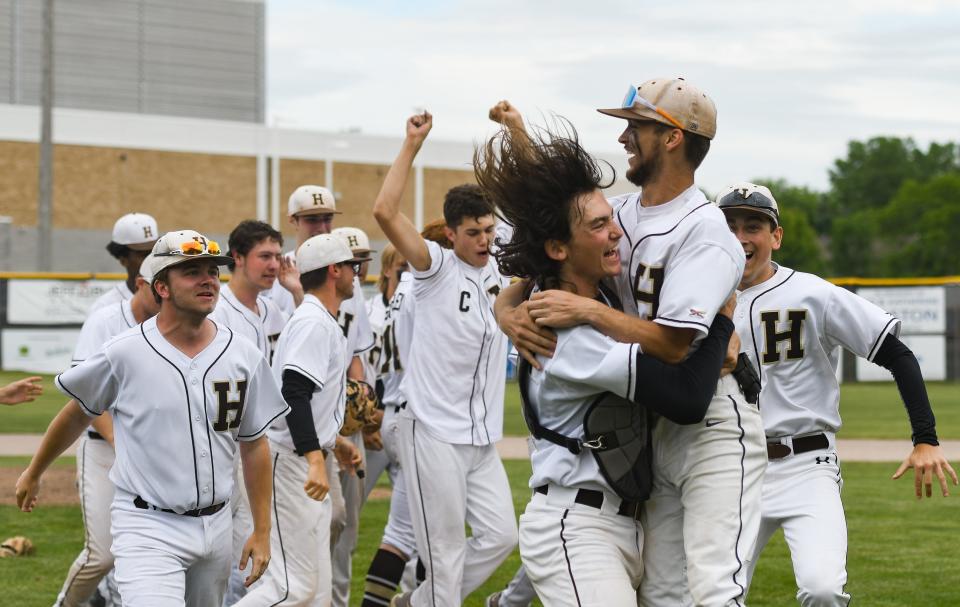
(297, 390)
(896, 357)
(682, 392)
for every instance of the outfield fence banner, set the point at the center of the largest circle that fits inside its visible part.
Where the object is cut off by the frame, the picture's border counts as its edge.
(52, 302)
(38, 350)
(922, 310)
(931, 354)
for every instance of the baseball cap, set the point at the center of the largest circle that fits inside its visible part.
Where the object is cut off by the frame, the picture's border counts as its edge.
(146, 268)
(750, 197)
(356, 239)
(135, 230)
(183, 245)
(311, 200)
(321, 251)
(671, 101)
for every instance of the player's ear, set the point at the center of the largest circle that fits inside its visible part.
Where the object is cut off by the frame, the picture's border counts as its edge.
(777, 238)
(555, 250)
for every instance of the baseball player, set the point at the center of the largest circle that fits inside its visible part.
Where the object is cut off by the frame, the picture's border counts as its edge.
(353, 313)
(311, 361)
(580, 538)
(24, 390)
(454, 409)
(255, 247)
(792, 325)
(132, 239)
(95, 454)
(679, 266)
(182, 391)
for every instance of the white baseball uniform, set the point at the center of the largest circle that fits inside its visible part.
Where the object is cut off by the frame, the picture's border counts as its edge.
(454, 385)
(177, 421)
(117, 293)
(680, 263)
(793, 326)
(262, 328)
(94, 458)
(313, 345)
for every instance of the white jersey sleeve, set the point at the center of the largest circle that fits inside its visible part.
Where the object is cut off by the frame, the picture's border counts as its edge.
(441, 269)
(264, 401)
(310, 351)
(97, 330)
(586, 357)
(857, 324)
(92, 383)
(696, 283)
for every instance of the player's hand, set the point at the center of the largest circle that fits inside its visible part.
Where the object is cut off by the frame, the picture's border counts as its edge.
(927, 460)
(27, 490)
(348, 456)
(373, 440)
(21, 391)
(289, 275)
(317, 484)
(560, 309)
(526, 335)
(256, 549)
(418, 127)
(506, 114)
(730, 358)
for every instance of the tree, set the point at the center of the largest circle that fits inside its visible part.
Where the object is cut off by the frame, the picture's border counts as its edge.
(801, 248)
(919, 228)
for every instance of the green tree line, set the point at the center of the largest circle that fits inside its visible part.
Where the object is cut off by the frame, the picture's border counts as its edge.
(892, 210)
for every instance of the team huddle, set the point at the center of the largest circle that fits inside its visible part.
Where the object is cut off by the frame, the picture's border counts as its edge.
(679, 386)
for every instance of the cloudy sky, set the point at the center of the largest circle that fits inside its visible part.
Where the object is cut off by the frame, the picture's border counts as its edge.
(793, 82)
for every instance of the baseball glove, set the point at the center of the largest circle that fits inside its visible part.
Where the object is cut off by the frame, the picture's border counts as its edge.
(16, 546)
(361, 410)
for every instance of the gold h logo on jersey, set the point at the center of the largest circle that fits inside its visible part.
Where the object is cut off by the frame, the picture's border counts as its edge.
(772, 338)
(227, 405)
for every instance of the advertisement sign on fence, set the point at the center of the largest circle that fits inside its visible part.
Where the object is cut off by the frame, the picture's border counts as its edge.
(931, 354)
(921, 309)
(38, 350)
(52, 302)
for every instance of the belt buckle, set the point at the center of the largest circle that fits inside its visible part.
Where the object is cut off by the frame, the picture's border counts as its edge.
(779, 448)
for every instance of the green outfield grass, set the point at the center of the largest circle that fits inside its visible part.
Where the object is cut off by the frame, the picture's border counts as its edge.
(899, 551)
(871, 410)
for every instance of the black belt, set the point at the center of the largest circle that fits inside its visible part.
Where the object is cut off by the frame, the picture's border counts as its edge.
(140, 503)
(802, 444)
(95, 435)
(594, 499)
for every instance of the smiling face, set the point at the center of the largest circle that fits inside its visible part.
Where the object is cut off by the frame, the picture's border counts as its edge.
(592, 253)
(261, 264)
(472, 239)
(645, 148)
(191, 288)
(759, 239)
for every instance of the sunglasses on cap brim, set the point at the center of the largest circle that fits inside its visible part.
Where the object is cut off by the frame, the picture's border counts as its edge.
(633, 99)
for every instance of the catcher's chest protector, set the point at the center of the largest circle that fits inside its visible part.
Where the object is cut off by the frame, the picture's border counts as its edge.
(618, 432)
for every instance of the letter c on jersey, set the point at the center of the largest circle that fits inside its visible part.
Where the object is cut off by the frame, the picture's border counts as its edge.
(464, 299)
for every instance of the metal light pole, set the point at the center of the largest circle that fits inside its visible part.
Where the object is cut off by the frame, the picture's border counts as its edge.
(45, 201)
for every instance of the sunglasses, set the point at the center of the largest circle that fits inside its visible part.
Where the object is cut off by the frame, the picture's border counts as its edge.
(633, 98)
(354, 265)
(192, 248)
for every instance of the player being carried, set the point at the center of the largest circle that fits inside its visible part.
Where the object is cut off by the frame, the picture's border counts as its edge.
(580, 536)
(793, 325)
(680, 264)
(182, 390)
(454, 411)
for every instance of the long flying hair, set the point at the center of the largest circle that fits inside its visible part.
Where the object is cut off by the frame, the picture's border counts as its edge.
(535, 181)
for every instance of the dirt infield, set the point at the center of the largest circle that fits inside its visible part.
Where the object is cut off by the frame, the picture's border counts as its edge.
(59, 487)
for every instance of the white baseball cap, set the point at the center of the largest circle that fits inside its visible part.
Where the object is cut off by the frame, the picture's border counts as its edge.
(356, 239)
(183, 245)
(321, 251)
(311, 200)
(136, 230)
(146, 268)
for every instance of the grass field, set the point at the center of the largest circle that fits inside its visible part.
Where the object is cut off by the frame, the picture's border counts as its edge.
(868, 410)
(902, 552)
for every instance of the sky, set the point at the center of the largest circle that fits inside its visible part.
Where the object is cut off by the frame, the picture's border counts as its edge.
(793, 82)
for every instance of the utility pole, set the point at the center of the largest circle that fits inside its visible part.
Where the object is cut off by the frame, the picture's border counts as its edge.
(45, 190)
